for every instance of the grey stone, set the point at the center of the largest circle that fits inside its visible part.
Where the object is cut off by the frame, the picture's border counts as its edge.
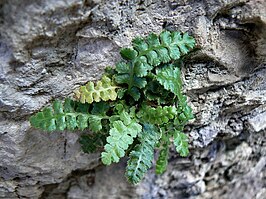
(258, 122)
(49, 48)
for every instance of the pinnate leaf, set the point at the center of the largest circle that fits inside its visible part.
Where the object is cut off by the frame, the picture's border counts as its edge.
(133, 125)
(104, 90)
(162, 161)
(141, 157)
(60, 117)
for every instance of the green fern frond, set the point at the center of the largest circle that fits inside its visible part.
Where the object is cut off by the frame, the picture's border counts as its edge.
(104, 90)
(159, 115)
(162, 161)
(168, 46)
(169, 77)
(60, 117)
(148, 53)
(141, 157)
(121, 136)
(154, 50)
(181, 143)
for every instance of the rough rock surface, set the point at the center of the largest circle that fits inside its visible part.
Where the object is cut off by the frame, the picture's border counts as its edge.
(48, 48)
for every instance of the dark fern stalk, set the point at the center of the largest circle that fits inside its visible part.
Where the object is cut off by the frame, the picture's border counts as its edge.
(135, 107)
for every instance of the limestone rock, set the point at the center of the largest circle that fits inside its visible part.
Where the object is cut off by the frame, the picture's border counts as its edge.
(48, 48)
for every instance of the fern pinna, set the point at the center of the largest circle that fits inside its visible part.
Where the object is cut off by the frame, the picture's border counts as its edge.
(137, 106)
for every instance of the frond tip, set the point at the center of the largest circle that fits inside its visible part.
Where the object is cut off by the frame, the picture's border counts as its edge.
(104, 90)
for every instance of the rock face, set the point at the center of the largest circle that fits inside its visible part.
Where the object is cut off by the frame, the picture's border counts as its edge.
(48, 48)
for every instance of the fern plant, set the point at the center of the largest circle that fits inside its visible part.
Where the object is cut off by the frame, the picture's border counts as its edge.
(136, 107)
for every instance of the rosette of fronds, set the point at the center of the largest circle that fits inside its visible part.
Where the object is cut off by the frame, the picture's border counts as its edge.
(136, 107)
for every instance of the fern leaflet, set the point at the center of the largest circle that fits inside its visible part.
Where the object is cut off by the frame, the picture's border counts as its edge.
(133, 77)
(181, 143)
(98, 113)
(169, 77)
(121, 136)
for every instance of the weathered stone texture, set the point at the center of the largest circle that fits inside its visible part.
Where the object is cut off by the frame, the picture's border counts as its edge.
(48, 48)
